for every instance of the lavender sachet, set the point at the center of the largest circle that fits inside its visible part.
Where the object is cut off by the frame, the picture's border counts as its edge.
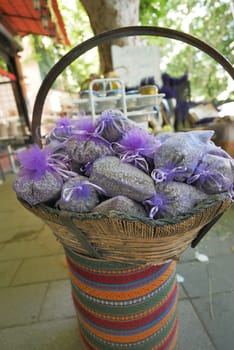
(172, 199)
(40, 177)
(214, 174)
(178, 156)
(137, 147)
(63, 129)
(119, 178)
(112, 124)
(79, 195)
(87, 144)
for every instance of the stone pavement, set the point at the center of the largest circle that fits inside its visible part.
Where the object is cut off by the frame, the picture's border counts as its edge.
(36, 310)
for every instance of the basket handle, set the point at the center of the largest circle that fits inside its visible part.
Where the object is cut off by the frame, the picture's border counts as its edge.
(80, 49)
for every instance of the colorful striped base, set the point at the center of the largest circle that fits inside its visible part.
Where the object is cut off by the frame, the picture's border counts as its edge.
(121, 306)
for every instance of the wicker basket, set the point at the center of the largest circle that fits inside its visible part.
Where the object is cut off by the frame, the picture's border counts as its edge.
(115, 237)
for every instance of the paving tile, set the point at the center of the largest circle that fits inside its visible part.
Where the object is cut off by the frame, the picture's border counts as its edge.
(58, 302)
(54, 335)
(15, 220)
(224, 226)
(47, 268)
(192, 335)
(221, 272)
(181, 291)
(14, 226)
(195, 278)
(203, 278)
(215, 245)
(218, 241)
(21, 305)
(7, 271)
(217, 314)
(44, 243)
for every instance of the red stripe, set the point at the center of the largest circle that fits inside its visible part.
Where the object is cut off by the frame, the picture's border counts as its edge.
(125, 325)
(170, 338)
(114, 279)
(164, 346)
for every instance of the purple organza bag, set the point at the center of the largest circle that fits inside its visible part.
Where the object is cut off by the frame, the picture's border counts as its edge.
(137, 147)
(112, 124)
(87, 144)
(163, 136)
(172, 199)
(40, 177)
(178, 156)
(119, 178)
(79, 195)
(213, 174)
(62, 130)
(212, 148)
(122, 205)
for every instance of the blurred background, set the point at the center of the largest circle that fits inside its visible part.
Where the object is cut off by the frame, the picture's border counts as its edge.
(189, 89)
(161, 83)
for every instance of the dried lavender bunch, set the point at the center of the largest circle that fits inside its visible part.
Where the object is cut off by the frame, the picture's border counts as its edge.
(178, 156)
(79, 195)
(172, 199)
(122, 205)
(119, 178)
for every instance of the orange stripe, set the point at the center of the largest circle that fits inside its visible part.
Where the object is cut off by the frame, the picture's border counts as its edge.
(130, 338)
(124, 295)
(128, 317)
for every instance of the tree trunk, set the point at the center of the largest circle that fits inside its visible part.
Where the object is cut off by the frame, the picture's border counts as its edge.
(105, 15)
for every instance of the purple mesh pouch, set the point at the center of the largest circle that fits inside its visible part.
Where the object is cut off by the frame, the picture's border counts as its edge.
(119, 178)
(62, 130)
(212, 148)
(112, 124)
(172, 199)
(214, 174)
(79, 195)
(137, 147)
(163, 136)
(177, 157)
(39, 179)
(87, 144)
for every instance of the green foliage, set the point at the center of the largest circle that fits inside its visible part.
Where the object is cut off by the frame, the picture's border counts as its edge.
(208, 20)
(46, 51)
(78, 29)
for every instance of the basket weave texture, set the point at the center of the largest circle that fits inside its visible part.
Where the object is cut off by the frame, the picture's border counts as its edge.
(115, 237)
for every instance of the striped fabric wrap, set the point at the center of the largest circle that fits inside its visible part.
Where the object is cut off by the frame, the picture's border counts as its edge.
(123, 306)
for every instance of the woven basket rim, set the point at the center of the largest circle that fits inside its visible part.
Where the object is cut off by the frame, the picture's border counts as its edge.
(134, 239)
(209, 202)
